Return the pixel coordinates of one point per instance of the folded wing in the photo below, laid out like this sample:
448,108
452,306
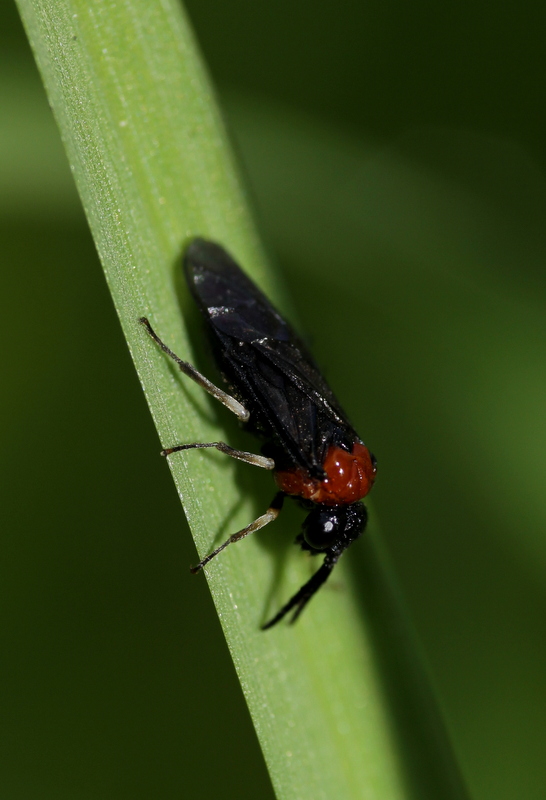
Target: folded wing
266,361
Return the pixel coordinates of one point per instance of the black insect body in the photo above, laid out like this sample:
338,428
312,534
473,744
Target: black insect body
278,392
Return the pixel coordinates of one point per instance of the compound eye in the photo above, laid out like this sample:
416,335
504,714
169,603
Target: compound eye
321,529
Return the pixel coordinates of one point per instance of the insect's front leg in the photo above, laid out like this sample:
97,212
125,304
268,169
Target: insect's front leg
270,515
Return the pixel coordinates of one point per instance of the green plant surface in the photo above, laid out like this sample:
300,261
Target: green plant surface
149,155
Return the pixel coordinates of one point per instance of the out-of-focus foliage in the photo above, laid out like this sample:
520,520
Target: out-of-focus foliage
407,211
432,310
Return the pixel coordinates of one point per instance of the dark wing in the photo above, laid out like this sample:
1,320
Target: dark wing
264,360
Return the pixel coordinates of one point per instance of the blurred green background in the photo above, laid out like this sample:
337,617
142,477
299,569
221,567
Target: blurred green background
395,155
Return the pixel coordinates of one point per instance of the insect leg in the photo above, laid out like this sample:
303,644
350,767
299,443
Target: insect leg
302,597
227,400
241,455
270,515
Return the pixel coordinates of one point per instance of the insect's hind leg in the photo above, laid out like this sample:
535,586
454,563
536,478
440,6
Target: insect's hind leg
241,455
227,400
270,515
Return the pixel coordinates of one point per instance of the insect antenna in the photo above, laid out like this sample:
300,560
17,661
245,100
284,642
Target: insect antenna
302,597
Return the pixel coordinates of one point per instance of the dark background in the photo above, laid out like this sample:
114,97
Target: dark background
396,157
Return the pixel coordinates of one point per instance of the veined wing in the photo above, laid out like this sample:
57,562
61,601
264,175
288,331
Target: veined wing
273,369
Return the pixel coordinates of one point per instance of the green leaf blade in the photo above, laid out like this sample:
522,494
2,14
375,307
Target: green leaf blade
153,167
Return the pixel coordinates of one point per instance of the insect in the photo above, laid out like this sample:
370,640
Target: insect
277,392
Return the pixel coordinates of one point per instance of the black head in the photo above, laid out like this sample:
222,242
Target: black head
333,528
329,530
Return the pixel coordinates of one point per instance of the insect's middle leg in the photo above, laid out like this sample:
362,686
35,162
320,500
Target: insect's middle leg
241,455
270,515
